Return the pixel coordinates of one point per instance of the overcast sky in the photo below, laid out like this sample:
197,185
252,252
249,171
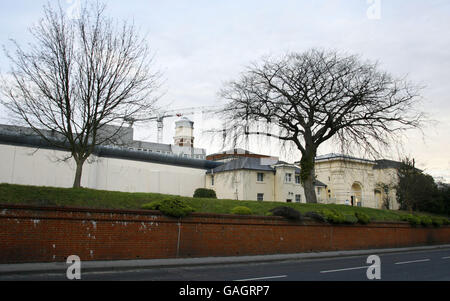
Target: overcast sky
201,44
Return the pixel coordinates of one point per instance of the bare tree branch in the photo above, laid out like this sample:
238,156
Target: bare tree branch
316,96
78,77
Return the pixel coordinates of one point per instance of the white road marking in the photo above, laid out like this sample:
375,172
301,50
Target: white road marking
262,278
346,269
448,257
412,261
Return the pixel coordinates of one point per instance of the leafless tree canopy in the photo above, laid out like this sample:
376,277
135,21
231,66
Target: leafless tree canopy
314,96
78,76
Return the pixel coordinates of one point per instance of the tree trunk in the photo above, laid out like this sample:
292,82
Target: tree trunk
310,191
78,174
308,176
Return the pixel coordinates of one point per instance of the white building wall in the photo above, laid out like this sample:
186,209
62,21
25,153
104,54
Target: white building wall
287,190
39,167
43,167
389,177
243,185
340,176
253,187
227,185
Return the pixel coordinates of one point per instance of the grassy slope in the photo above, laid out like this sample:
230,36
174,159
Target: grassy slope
50,196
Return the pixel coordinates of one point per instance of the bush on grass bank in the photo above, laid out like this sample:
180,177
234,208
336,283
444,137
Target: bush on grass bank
426,221
173,208
315,216
362,218
286,212
205,193
335,217
241,210
437,221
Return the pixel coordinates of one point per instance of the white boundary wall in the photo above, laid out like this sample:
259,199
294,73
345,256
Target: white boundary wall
44,167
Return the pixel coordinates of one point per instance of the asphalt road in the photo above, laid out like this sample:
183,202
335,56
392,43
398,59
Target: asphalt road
425,265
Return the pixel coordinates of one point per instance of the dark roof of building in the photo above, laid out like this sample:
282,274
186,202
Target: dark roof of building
184,122
247,163
234,153
333,156
384,163
110,152
151,145
320,184
243,163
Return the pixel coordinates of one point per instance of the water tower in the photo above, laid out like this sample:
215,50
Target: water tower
184,137
184,132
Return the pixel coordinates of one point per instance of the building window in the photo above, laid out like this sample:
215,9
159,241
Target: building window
298,198
288,178
297,179
212,180
319,190
288,201
260,197
260,177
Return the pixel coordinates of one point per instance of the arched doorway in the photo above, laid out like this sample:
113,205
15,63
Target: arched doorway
356,197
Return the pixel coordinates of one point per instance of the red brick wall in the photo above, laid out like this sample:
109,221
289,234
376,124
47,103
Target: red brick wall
44,234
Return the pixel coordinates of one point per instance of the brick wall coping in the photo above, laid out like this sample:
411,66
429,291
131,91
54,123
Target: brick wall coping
127,215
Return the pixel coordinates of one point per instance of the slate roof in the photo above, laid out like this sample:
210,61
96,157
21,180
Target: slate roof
320,184
341,156
248,163
243,163
383,164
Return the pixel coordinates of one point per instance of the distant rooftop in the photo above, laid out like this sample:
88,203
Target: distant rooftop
261,164
243,163
334,156
234,153
124,139
378,164
37,142
384,163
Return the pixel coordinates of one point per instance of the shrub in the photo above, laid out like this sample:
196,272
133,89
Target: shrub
437,221
241,210
350,219
446,221
333,216
315,216
362,218
286,212
152,206
205,193
426,221
174,207
413,220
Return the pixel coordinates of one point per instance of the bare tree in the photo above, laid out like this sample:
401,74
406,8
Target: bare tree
318,95
77,77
